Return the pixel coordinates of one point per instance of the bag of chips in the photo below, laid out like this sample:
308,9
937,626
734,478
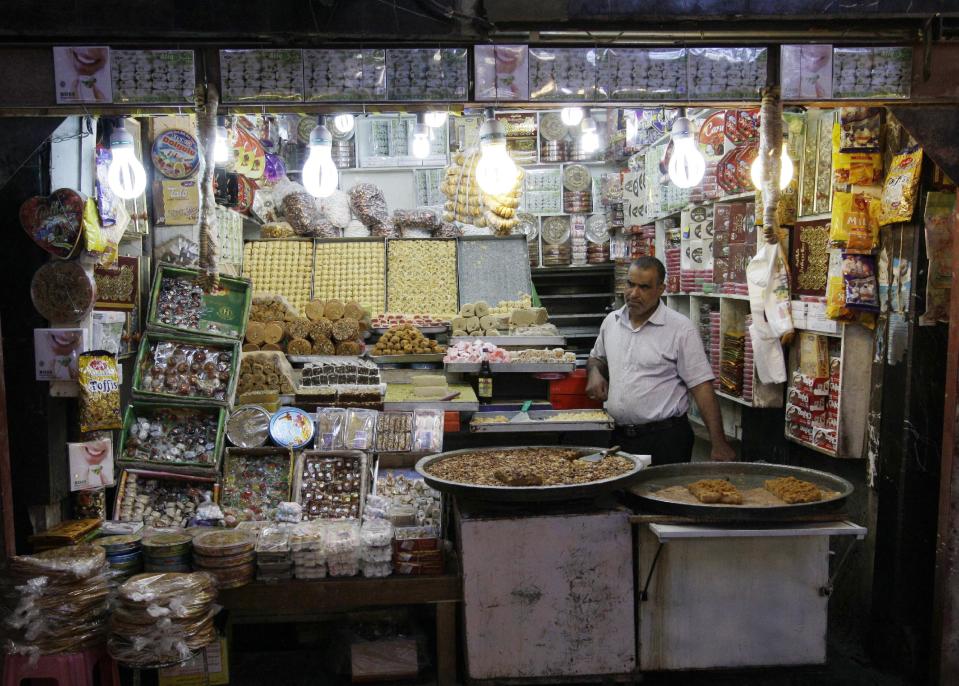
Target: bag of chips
836,290
862,288
99,391
860,129
901,188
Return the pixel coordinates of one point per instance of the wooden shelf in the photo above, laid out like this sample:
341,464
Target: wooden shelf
325,595
735,399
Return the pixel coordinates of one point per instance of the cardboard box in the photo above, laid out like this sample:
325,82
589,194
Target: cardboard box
191,672
384,660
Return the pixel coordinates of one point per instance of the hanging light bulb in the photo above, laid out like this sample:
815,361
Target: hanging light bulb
589,138
435,119
221,148
320,176
571,116
496,172
686,166
344,123
126,176
785,170
421,138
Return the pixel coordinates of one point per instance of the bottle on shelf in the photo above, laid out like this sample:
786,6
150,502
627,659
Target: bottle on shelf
484,384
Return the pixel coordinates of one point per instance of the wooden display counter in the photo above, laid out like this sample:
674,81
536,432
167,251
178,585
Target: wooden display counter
303,601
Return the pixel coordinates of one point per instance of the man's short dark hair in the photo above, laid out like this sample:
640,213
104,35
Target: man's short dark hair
649,262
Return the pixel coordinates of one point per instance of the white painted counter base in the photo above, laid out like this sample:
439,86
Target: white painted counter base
734,597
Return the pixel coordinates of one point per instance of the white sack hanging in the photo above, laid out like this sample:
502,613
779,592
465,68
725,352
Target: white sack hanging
770,307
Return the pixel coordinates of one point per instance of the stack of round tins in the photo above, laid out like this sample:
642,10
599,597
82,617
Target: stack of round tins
124,554
167,553
227,555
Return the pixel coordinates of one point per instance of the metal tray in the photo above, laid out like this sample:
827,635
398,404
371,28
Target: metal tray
425,330
512,341
527,494
744,475
407,359
538,424
512,368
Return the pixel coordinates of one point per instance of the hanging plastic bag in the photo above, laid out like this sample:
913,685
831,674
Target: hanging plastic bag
770,306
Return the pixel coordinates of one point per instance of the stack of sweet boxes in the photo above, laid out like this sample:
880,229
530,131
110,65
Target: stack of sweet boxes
734,244
812,407
697,248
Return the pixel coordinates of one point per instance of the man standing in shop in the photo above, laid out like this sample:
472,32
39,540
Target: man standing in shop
647,361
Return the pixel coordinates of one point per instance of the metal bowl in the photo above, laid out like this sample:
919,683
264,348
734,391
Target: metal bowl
527,494
743,475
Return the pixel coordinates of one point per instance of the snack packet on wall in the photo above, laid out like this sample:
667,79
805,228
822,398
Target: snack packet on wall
901,189
861,286
99,392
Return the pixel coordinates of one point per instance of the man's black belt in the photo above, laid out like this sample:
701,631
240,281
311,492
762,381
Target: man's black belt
633,430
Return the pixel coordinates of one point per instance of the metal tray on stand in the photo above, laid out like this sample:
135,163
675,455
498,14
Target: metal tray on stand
743,475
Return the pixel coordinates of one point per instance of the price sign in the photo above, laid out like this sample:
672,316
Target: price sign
634,197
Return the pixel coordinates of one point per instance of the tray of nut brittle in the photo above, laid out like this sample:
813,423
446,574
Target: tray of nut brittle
529,473
739,490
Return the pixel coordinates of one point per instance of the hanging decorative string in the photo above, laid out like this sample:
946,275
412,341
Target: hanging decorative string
770,146
209,233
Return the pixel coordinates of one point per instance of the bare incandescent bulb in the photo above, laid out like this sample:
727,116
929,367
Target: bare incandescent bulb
344,123
785,170
435,119
221,147
686,166
125,175
421,140
496,172
320,176
571,116
589,138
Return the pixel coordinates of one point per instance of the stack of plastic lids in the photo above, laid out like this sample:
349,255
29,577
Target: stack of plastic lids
55,601
124,554
162,619
376,549
274,561
167,553
228,555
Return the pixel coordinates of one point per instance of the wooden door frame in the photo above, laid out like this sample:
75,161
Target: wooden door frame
6,484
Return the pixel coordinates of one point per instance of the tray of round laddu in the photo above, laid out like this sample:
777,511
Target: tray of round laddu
664,489
527,494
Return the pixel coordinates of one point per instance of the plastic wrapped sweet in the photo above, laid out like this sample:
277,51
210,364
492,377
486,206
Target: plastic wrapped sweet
421,218
360,427
63,292
369,205
55,601
162,619
376,569
330,428
256,483
172,435
265,371
289,512
336,209
376,533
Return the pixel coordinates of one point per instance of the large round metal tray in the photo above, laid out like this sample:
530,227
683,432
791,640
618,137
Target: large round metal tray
527,494
745,476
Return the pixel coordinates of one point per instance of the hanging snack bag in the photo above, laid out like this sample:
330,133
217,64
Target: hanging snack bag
855,219
99,392
862,288
836,289
860,129
901,188
854,168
